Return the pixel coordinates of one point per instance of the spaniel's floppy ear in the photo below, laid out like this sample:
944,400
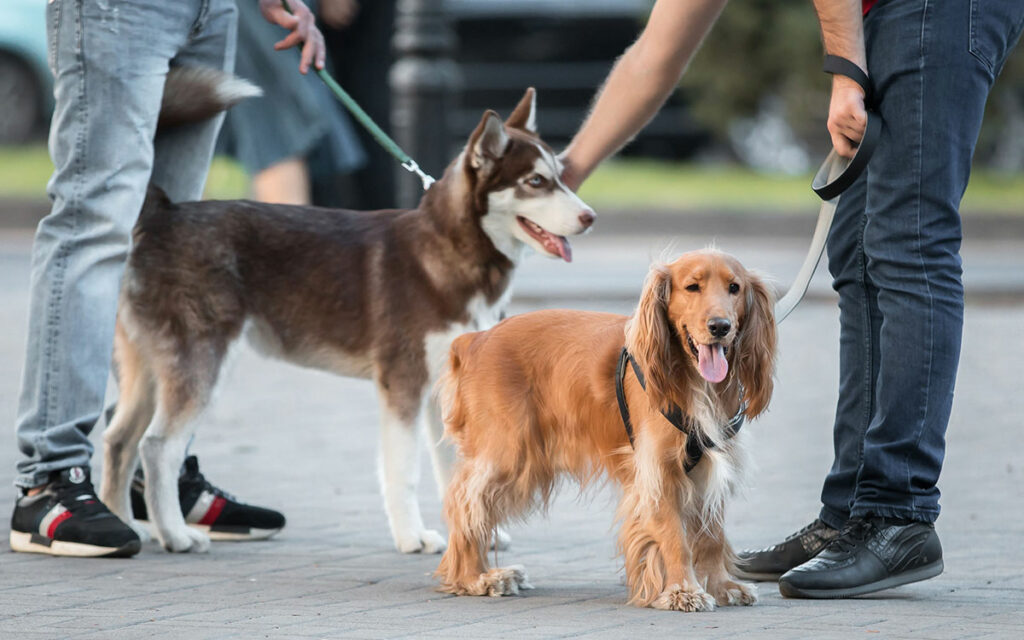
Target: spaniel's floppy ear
755,346
525,114
651,340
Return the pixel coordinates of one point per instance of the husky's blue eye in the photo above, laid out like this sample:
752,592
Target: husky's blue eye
536,180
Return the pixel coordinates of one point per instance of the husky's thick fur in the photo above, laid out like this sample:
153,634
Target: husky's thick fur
377,295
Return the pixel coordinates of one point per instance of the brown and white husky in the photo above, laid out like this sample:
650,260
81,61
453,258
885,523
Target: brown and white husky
378,295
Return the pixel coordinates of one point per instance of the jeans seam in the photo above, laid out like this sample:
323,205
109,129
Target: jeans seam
924,268
56,300
868,389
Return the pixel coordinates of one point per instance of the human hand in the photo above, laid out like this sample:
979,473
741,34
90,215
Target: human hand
847,116
338,13
570,174
302,24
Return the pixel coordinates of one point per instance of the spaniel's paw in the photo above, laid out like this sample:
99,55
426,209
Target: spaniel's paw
731,592
508,581
675,598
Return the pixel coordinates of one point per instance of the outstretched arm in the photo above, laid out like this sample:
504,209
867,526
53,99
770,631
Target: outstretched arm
639,83
842,30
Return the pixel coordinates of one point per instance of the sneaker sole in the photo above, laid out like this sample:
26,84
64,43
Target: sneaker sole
23,542
221,535
917,575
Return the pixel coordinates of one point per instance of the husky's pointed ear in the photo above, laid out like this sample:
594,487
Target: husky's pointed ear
525,114
488,141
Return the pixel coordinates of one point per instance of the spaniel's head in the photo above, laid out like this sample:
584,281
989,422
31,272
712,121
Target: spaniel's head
704,316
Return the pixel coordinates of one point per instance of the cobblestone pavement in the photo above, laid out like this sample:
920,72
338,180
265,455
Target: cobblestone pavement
305,442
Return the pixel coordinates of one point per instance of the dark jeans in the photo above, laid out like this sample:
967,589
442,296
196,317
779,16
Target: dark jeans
894,252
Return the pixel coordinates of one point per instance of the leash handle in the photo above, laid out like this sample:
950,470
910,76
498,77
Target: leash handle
833,178
364,119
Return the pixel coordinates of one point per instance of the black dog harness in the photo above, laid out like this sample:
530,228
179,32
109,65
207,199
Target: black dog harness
696,441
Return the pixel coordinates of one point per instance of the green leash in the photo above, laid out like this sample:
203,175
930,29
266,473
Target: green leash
378,134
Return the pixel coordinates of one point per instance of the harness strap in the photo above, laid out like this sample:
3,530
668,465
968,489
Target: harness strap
696,441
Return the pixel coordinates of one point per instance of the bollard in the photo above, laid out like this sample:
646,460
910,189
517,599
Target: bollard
423,80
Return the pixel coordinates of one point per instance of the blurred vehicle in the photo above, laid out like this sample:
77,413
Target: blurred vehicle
25,81
565,49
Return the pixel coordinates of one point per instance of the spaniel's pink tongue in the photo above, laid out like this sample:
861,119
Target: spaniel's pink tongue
711,362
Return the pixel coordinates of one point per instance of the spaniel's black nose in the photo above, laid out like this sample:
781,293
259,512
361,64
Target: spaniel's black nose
719,327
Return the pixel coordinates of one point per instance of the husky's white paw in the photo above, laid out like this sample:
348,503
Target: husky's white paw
184,540
501,541
425,541
675,598
141,529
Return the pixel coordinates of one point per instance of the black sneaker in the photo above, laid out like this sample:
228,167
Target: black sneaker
67,519
771,562
212,510
869,555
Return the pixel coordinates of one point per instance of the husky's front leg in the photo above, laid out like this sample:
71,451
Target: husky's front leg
163,450
399,478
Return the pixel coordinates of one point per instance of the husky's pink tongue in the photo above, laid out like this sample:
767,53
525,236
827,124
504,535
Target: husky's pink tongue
557,245
711,362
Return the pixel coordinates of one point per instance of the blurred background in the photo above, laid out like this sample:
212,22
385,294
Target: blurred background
727,140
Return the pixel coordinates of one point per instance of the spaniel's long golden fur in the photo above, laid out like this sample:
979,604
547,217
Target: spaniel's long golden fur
534,398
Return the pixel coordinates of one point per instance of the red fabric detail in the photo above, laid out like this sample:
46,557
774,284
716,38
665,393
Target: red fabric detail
214,511
868,4
53,525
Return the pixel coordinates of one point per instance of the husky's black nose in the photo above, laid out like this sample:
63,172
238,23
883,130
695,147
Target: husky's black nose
719,327
587,218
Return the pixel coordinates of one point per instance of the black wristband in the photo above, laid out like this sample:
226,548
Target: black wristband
844,67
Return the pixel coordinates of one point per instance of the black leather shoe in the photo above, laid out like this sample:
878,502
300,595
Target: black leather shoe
869,555
771,562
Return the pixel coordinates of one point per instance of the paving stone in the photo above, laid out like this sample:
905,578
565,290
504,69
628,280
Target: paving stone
305,442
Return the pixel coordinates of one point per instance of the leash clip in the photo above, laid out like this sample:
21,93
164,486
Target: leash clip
411,166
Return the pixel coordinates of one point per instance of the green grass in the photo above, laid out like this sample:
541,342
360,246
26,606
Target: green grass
622,184
643,183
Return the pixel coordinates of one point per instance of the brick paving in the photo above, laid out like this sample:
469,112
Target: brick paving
305,442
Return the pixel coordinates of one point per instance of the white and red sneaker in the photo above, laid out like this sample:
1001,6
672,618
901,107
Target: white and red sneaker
212,510
67,519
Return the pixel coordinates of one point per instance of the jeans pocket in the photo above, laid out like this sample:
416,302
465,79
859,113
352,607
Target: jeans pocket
995,27
53,14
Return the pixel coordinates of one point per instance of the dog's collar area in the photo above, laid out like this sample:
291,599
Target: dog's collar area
696,441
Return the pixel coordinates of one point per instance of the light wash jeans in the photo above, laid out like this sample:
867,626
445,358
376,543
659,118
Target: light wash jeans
109,59
894,252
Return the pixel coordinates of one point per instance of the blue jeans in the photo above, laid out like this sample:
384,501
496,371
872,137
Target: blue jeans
109,59
894,252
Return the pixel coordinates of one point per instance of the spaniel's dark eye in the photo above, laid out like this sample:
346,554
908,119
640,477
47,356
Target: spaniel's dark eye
693,287
536,180
734,288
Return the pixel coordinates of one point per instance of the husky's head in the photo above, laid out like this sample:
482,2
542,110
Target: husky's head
516,185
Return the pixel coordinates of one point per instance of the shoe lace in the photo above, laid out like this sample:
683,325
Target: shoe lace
79,499
817,524
195,477
853,534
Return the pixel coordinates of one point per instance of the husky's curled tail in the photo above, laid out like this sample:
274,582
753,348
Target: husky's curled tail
192,94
